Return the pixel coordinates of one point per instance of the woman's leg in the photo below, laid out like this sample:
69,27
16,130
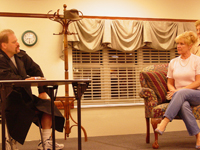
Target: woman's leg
190,122
172,110
198,140
162,126
192,96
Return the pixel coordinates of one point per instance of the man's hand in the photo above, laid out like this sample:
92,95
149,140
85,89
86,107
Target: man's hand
36,78
41,95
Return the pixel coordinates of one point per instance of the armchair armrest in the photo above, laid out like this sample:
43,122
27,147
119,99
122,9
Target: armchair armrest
148,95
150,100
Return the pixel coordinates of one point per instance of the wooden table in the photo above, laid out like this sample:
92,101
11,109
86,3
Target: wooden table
51,86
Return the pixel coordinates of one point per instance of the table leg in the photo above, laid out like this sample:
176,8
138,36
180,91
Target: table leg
3,98
79,89
50,92
79,116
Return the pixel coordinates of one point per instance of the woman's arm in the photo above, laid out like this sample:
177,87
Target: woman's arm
170,84
195,84
171,88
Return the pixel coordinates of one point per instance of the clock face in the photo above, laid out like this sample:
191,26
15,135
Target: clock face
29,38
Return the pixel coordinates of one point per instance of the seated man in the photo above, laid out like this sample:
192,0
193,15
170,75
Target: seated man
21,105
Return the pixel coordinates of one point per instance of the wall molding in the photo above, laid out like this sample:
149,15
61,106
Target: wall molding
32,15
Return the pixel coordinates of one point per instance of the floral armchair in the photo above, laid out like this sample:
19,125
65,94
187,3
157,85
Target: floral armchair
153,82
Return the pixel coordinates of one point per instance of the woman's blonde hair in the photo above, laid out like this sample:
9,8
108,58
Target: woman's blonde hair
189,37
197,23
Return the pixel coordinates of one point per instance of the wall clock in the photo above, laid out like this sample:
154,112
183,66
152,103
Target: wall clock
29,38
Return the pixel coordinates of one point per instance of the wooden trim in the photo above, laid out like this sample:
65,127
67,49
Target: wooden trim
28,15
31,15
135,18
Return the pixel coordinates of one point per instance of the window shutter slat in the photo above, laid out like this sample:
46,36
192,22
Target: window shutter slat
114,74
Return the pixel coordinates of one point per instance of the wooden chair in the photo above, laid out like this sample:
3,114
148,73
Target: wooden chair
153,82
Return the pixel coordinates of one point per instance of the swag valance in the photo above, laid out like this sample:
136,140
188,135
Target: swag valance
126,35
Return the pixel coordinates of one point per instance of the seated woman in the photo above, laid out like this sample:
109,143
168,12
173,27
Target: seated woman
184,86
196,47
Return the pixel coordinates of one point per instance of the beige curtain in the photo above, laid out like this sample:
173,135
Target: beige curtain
161,35
88,34
125,35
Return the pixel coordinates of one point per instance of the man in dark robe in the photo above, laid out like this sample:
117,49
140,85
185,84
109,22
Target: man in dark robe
21,105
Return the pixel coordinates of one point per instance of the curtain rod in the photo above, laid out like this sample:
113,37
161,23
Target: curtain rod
31,15
137,18
28,15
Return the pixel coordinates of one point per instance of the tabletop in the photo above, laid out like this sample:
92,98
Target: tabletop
43,82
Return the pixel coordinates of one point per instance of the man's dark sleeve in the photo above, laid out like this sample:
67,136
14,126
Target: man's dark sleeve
6,73
32,69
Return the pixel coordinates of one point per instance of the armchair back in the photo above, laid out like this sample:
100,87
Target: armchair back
154,77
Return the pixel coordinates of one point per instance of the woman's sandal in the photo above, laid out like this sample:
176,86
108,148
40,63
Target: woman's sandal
197,147
161,132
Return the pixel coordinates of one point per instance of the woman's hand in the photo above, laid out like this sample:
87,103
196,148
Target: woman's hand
170,94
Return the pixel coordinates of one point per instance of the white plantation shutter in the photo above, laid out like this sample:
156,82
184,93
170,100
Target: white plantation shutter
115,74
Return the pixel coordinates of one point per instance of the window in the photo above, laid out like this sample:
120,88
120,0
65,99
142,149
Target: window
115,74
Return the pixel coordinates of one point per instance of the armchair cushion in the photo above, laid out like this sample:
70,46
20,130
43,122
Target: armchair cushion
196,111
159,110
157,81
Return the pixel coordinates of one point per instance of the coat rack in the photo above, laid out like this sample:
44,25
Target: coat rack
68,17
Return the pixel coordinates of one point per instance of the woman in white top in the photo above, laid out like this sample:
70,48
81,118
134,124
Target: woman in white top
184,86
196,46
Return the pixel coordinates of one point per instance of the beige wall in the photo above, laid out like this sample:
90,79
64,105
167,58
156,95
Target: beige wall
177,9
49,47
97,121
110,121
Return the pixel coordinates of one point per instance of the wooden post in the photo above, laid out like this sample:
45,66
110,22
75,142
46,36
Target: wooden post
66,62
